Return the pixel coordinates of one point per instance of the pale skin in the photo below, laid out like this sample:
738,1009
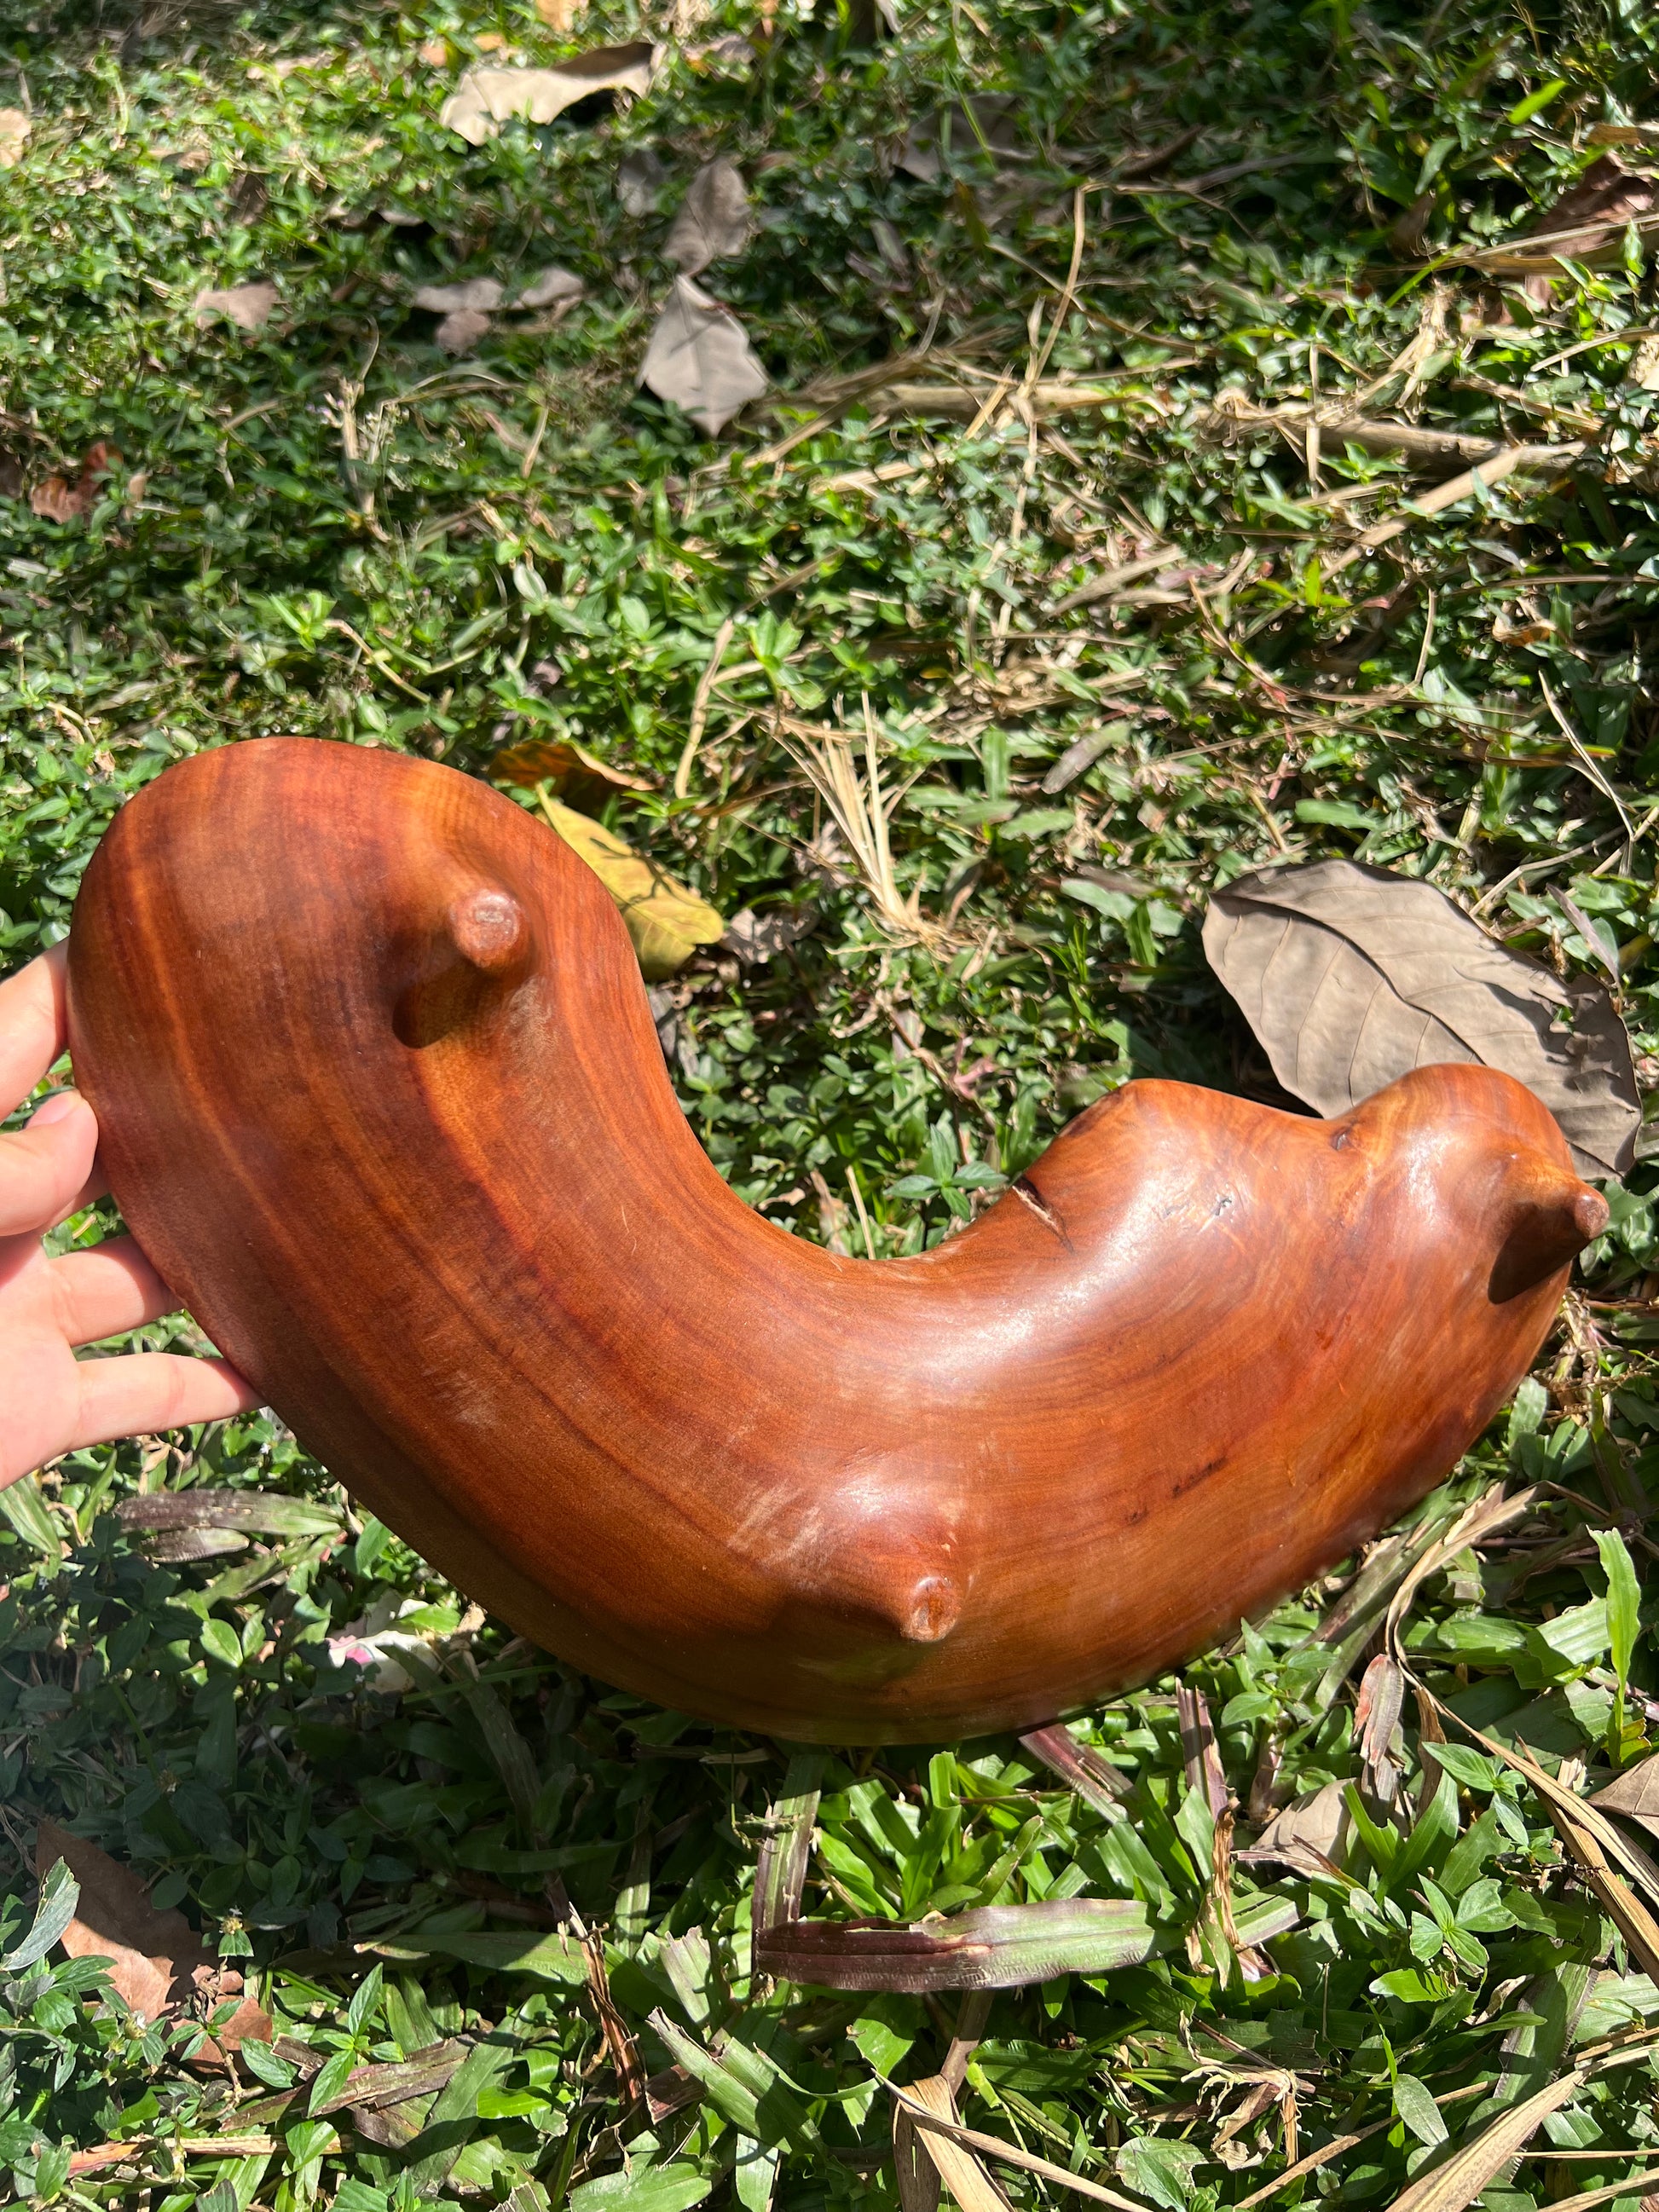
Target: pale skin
50,1403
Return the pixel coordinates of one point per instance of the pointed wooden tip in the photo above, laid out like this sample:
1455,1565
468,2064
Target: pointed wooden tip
1551,1217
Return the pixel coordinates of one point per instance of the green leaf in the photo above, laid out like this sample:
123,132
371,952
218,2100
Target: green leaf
219,1640
60,1894
1159,2170
1575,1639
648,2188
551,1958
1534,102
1432,1832
453,2108
26,1509
1415,2104
1623,1600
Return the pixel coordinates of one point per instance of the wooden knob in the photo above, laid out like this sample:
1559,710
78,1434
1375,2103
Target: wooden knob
489,928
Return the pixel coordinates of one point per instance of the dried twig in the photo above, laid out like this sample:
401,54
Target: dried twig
700,707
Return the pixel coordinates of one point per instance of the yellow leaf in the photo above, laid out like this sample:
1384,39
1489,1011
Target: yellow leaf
667,922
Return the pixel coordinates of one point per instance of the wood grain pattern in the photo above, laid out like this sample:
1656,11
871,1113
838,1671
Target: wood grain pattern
381,1095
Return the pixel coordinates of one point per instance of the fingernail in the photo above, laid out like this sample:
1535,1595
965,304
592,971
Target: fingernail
58,1108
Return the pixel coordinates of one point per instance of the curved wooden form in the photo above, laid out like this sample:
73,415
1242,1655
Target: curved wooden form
381,1097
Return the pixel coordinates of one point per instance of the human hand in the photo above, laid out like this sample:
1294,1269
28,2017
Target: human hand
51,1401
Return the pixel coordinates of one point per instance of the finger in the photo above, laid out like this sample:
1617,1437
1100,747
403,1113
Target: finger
33,1032
140,1392
106,1291
44,1167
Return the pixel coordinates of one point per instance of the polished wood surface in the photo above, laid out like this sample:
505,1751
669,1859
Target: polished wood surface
381,1097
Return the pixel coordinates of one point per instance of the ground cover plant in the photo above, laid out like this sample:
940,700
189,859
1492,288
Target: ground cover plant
955,674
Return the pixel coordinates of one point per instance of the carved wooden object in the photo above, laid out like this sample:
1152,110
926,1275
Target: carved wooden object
381,1097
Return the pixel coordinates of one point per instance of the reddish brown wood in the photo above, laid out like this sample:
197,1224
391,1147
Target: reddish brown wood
381,1095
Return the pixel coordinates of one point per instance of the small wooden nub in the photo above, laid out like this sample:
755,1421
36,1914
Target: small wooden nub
934,1605
490,929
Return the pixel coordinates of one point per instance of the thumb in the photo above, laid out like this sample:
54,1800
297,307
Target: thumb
44,1167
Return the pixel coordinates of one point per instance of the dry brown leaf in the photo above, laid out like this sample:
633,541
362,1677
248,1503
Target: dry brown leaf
932,2126
158,1962
561,16
667,922
477,293
713,220
700,358
1350,977
434,53
1317,1824
958,2169
549,286
577,777
15,128
1634,1794
248,306
1587,223
915,2172
61,500
487,98
460,332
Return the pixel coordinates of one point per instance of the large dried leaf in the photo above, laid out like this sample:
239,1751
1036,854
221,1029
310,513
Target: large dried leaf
1587,223
480,292
248,306
1001,1946
551,286
15,128
1310,1835
486,98
667,922
1352,977
158,1963
700,358
460,332
576,776
714,219
64,498
1635,1793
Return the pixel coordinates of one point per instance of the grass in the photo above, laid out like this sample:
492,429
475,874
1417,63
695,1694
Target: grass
329,527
